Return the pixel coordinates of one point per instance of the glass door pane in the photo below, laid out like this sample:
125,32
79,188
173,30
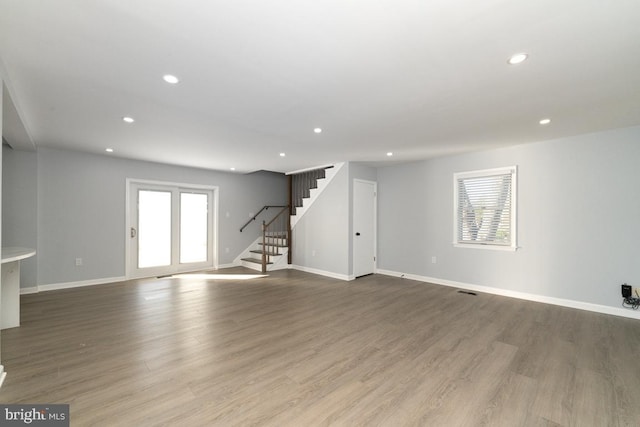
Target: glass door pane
193,227
154,228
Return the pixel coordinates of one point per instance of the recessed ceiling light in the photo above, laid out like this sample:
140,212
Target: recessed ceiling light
109,150
232,169
389,154
170,79
282,154
128,119
518,58
545,121
317,130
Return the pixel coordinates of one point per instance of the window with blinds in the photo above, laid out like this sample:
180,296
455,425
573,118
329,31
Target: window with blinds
485,208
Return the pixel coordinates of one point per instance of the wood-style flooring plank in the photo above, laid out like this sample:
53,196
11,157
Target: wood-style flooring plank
296,349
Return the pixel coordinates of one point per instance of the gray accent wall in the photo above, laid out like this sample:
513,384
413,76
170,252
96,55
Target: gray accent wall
578,219
81,210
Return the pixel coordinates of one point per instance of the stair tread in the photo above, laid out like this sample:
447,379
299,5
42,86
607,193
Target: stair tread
257,251
255,261
275,245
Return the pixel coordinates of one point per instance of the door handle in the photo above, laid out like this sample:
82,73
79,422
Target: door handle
357,234
134,233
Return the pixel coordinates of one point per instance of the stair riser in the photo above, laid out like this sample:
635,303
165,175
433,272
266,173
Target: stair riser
259,253
321,183
274,244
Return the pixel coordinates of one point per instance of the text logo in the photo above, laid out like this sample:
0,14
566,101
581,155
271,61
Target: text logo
34,415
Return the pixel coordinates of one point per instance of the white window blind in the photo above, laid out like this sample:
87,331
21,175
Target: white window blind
485,209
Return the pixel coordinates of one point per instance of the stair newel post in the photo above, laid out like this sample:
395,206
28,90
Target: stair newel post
264,247
288,228
288,222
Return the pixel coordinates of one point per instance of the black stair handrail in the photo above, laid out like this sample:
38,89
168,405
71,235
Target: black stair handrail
264,208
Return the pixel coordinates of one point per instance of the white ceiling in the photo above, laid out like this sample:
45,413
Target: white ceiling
420,78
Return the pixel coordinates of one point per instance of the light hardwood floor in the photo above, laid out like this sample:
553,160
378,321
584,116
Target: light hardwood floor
295,349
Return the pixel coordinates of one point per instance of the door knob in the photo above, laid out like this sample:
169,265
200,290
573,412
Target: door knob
133,232
357,234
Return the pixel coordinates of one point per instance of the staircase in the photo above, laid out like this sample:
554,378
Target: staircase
311,190
276,250
270,251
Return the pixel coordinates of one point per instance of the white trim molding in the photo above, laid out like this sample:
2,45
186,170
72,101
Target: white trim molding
596,308
3,375
233,264
70,285
310,169
345,277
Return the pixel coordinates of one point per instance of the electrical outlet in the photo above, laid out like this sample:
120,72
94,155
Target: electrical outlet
78,262
434,260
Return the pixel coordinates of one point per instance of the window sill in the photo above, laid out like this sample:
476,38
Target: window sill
486,247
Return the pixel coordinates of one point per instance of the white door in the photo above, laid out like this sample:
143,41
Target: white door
170,229
364,227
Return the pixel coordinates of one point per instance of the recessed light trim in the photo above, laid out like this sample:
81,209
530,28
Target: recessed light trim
545,121
283,154
170,78
518,58
128,119
109,150
317,130
232,169
389,154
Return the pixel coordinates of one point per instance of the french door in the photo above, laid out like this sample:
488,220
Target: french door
170,228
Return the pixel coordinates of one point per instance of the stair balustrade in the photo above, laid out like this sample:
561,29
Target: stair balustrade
302,183
276,234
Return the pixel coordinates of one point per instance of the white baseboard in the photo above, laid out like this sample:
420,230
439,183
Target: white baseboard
68,285
93,282
323,273
597,308
29,290
231,265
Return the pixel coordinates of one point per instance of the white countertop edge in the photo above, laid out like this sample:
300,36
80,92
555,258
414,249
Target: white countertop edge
11,254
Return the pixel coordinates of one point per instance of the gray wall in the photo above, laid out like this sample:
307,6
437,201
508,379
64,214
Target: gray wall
578,219
1,152
81,210
323,237
19,207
